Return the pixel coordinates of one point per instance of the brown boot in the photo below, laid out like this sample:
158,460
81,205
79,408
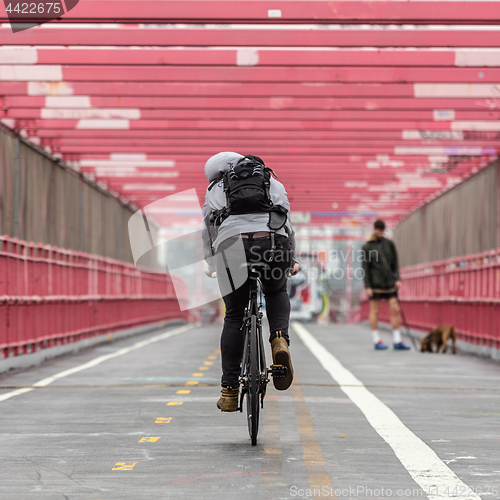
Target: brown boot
229,399
281,356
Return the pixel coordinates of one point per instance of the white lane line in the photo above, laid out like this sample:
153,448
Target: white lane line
90,364
436,479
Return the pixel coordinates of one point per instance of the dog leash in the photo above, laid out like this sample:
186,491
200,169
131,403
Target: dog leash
406,325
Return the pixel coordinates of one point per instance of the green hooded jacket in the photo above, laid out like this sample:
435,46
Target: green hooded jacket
380,263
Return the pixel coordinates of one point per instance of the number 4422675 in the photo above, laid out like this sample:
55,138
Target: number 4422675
34,8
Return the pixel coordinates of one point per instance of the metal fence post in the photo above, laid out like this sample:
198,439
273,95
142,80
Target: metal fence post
16,188
80,216
2,209
498,204
119,229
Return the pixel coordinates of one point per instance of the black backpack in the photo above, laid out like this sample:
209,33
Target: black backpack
247,188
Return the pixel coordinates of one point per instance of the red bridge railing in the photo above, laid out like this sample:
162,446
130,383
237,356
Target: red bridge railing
50,296
462,291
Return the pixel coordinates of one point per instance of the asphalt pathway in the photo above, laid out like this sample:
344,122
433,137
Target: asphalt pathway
136,419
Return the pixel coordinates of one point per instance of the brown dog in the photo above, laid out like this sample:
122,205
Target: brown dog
439,338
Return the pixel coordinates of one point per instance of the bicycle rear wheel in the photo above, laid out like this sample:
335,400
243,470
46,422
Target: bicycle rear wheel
253,383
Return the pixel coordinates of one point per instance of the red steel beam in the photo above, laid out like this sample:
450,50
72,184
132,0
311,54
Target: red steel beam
230,125
326,199
205,56
258,135
262,37
318,151
248,114
326,203
278,159
245,103
329,201
321,192
370,177
344,183
224,74
187,89
345,170
259,11
273,11
338,196
249,144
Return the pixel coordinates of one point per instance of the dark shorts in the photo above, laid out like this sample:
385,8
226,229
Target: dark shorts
383,295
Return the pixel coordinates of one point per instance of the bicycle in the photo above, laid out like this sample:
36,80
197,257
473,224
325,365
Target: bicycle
254,373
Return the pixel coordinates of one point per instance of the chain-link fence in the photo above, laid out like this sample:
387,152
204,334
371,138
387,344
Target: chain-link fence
43,201
462,221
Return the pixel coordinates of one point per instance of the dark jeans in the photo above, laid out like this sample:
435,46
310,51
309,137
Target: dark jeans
277,302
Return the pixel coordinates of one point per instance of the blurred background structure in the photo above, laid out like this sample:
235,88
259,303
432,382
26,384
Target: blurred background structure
365,110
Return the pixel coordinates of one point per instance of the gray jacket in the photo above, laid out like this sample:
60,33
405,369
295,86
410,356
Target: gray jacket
215,199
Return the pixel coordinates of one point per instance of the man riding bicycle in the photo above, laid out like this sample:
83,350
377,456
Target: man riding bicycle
244,201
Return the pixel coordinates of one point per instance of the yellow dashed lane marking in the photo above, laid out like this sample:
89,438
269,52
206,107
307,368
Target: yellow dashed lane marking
272,481
161,420
183,391
124,466
203,368
148,440
311,450
212,357
197,375
192,382
208,363
174,403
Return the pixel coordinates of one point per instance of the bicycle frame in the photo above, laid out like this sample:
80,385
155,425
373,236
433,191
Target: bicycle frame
253,309
253,375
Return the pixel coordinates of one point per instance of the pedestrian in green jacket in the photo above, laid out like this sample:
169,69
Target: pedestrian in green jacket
382,281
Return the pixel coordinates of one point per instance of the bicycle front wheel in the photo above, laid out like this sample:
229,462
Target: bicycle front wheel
253,383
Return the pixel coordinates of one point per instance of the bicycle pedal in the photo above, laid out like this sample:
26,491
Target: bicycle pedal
278,370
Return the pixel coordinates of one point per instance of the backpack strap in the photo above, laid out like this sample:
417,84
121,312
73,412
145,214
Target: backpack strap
253,158
209,226
278,216
225,178
267,185
217,217
271,171
214,182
